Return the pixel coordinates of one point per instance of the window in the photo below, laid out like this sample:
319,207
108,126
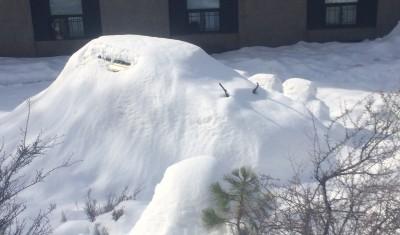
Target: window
65,19
66,7
341,12
203,15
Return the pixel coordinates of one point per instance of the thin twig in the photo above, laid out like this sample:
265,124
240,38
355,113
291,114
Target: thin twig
225,91
255,89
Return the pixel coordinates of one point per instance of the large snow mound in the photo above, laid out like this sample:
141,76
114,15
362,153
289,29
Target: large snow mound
164,106
194,177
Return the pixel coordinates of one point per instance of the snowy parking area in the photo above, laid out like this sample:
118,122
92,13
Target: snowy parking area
163,121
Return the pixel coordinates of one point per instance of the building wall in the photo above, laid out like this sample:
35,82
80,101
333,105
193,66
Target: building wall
272,22
262,22
388,16
16,33
213,42
387,19
147,17
341,35
258,21
51,48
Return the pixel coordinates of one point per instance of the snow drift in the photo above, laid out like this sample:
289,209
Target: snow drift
194,177
356,66
164,106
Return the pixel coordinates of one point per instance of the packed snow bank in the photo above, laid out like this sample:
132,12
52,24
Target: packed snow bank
305,91
299,89
267,81
29,70
194,177
164,106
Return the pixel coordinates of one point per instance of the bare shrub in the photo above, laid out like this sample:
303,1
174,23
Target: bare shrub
99,230
63,217
104,231
225,90
13,182
356,187
256,88
116,214
93,209
114,200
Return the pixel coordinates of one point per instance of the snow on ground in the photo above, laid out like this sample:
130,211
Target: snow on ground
80,225
128,127
29,70
342,72
163,122
21,78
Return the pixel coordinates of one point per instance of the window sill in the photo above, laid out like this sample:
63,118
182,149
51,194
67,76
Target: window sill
65,40
333,27
203,33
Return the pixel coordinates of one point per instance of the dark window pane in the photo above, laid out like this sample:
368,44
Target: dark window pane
341,1
66,7
195,21
202,4
204,21
349,14
75,25
211,21
68,27
60,28
333,15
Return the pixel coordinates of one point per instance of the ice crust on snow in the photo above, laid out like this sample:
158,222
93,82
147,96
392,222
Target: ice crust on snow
129,127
